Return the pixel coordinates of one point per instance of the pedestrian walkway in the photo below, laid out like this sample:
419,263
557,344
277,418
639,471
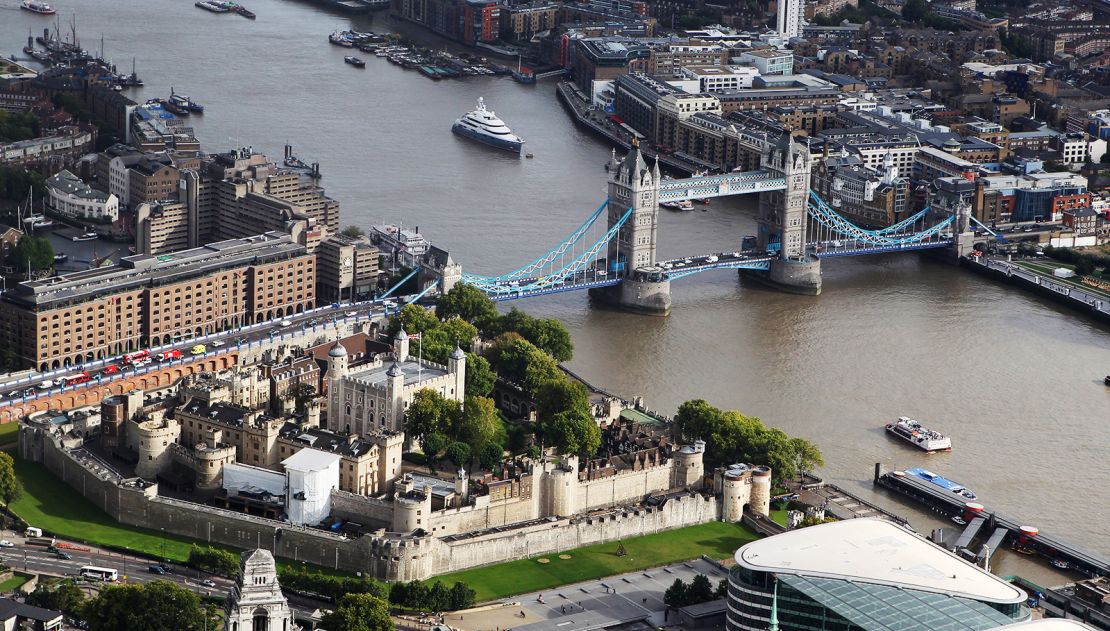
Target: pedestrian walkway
590,605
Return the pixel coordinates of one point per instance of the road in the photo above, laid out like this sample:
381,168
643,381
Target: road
103,372
132,569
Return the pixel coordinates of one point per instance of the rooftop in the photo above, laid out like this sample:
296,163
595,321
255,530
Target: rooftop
70,184
414,373
878,552
310,460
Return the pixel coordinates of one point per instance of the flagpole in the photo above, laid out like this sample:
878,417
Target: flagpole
420,358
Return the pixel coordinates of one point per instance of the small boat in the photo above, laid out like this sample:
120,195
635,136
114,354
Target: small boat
339,38
918,435
959,520
355,61
685,205
61,257
1058,564
34,6
42,223
211,6
87,235
1106,380
245,12
669,205
184,103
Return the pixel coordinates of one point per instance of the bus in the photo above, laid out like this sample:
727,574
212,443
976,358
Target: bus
105,574
80,377
131,358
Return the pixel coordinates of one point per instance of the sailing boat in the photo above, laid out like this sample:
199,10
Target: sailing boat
35,221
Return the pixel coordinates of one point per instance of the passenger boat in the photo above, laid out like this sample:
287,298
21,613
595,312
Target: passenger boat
669,205
918,435
339,38
183,102
34,6
355,61
211,6
946,484
483,126
87,235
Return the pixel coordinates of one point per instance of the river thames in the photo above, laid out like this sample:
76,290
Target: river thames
1015,380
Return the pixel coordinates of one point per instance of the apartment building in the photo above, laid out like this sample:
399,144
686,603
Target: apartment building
148,300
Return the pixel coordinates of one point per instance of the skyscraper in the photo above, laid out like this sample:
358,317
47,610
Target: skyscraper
789,18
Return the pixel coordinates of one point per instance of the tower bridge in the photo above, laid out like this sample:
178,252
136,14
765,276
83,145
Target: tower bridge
617,263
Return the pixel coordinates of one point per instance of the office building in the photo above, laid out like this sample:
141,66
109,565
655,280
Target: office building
73,198
148,300
862,575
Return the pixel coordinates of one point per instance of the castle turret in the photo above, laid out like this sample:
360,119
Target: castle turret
462,485
154,439
563,487
401,345
456,365
736,486
761,491
689,467
411,508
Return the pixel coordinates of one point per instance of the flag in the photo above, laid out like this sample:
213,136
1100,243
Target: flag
414,336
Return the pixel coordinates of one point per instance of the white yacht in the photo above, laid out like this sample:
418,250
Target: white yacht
918,435
484,126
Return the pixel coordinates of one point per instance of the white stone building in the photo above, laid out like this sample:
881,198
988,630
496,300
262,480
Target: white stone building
373,397
256,602
71,197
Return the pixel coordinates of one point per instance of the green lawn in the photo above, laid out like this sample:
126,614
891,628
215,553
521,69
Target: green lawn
50,504
779,516
715,539
12,583
8,434
1047,269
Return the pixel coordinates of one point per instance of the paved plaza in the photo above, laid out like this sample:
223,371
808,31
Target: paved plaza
590,605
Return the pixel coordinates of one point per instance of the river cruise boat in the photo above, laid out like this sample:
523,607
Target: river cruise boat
34,6
918,435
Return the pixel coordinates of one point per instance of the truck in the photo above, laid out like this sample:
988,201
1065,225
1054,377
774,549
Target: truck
32,532
168,355
1063,272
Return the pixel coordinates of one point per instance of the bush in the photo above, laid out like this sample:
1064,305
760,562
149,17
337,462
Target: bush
416,595
330,587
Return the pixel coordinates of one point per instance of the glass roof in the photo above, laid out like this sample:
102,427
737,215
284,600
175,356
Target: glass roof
881,607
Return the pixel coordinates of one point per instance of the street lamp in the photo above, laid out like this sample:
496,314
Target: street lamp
163,544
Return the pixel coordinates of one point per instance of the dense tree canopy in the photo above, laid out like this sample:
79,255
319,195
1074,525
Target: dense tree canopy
11,488
572,432
480,377
732,437
36,250
155,606
358,612
469,303
430,413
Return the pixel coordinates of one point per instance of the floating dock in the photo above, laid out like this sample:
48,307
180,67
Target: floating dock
1026,539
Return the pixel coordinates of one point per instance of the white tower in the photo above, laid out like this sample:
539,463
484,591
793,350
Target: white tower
256,602
337,371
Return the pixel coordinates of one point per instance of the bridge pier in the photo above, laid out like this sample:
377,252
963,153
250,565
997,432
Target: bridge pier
795,276
647,291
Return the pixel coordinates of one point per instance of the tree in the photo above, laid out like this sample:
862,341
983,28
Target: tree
515,321
34,250
722,589
462,596
428,413
813,520
480,377
433,445
700,590
64,596
490,455
11,488
559,395
807,456
358,612
539,368
914,10
459,453
353,232
550,336
414,318
479,423
459,332
155,606
573,432
675,596
300,394
469,303
214,560
1084,267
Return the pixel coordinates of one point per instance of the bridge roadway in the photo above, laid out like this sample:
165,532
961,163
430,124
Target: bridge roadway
735,183
103,372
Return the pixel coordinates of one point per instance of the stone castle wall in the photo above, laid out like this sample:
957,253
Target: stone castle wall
388,556
624,487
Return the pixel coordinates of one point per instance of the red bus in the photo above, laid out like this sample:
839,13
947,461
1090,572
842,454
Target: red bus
131,358
73,380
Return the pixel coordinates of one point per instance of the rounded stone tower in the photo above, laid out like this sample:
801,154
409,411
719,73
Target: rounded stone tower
760,501
689,468
563,486
154,439
735,493
210,461
411,509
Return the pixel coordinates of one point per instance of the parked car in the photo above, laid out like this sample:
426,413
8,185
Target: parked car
218,343
286,323
208,582
4,543
156,569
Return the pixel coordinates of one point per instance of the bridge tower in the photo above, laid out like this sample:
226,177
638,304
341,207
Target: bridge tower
631,254
783,218
963,237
